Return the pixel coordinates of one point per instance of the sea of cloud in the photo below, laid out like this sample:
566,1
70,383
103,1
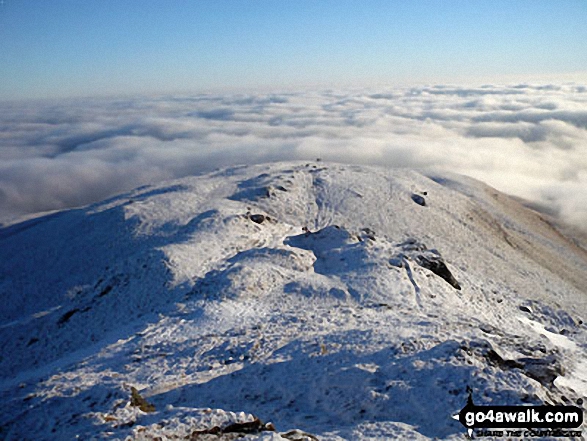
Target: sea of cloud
526,140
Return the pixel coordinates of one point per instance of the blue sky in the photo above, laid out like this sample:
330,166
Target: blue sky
55,48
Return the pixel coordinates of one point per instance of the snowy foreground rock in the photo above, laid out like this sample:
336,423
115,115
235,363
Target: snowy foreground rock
289,301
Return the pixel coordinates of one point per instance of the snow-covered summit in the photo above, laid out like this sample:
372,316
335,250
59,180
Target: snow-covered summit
340,301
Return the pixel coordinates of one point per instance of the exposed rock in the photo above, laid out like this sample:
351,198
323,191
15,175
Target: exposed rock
497,360
298,435
137,400
65,317
198,434
247,427
545,370
412,244
430,259
436,264
240,429
419,199
368,233
257,218
105,291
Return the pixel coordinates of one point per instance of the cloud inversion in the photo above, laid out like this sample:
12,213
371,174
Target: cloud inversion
530,141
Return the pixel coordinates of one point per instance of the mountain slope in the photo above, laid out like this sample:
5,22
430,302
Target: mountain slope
345,301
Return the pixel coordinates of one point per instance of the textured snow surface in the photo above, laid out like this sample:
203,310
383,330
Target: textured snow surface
332,301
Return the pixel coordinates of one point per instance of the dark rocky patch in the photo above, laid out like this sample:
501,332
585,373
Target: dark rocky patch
497,360
248,427
65,317
419,199
137,400
239,429
369,233
198,434
544,369
298,435
436,264
488,329
105,291
429,259
257,218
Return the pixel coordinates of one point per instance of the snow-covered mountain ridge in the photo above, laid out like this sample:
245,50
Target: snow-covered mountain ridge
348,302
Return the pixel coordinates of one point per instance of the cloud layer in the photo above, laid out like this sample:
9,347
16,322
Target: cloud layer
530,141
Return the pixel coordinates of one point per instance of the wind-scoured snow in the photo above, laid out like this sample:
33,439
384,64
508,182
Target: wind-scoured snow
288,300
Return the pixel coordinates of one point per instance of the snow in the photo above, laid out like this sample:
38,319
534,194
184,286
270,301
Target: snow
556,339
330,318
576,380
